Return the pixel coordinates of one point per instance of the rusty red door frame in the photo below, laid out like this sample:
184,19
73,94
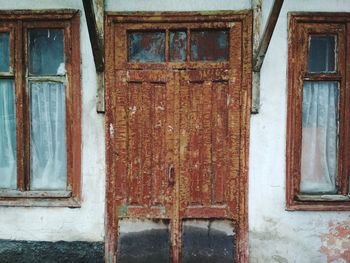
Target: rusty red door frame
113,59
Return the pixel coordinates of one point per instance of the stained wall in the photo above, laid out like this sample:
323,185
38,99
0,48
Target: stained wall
276,235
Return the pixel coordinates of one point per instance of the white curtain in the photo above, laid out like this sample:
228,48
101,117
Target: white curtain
319,137
8,171
48,136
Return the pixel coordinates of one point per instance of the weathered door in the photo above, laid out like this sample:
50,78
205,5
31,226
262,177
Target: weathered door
177,108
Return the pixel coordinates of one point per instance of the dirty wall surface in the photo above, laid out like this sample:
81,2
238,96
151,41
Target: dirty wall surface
276,235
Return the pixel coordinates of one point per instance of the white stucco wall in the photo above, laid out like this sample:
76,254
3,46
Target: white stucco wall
275,234
85,223
171,5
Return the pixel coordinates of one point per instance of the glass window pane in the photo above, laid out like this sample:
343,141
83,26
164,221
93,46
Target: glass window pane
319,137
178,44
48,136
209,45
321,57
46,52
146,46
8,171
4,52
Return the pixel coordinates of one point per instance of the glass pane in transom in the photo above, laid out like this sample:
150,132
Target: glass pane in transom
146,46
209,45
178,45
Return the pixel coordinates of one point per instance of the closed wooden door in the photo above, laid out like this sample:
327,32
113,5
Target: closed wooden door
176,131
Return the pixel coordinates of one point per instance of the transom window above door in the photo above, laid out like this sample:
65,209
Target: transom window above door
178,45
182,45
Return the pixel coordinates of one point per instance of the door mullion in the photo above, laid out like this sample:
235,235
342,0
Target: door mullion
176,220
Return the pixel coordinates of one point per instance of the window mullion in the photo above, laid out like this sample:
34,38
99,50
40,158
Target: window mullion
345,187
21,125
322,77
59,79
343,155
26,109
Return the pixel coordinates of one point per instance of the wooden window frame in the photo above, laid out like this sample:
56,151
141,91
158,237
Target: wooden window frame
18,23
301,25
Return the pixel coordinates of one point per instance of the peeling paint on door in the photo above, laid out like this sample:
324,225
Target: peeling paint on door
180,132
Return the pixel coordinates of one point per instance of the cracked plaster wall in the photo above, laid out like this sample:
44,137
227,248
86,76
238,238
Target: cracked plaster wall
277,235
85,223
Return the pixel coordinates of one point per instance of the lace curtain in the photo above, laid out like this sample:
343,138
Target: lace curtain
48,139
8,171
319,137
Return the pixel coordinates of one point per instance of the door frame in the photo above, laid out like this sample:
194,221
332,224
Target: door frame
243,17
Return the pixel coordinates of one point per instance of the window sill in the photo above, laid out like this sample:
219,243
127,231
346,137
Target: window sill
323,198
319,203
35,194
39,199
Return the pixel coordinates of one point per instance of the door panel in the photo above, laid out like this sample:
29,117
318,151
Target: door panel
208,241
209,132
137,243
144,131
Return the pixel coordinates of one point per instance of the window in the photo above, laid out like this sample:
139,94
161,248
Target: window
174,45
318,129
40,109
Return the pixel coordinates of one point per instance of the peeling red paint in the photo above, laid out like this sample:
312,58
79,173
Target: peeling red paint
336,243
179,144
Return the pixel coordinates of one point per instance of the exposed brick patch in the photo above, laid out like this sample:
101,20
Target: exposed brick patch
336,243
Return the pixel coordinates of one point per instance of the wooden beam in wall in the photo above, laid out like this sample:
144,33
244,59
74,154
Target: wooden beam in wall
266,37
95,37
260,47
95,21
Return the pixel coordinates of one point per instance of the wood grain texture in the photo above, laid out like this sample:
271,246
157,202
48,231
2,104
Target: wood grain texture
177,133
